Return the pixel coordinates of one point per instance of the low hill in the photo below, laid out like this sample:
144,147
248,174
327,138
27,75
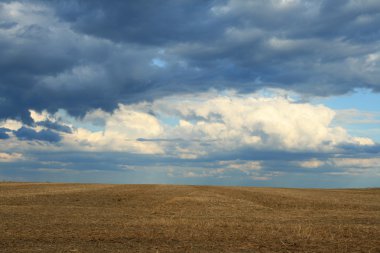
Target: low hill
48,217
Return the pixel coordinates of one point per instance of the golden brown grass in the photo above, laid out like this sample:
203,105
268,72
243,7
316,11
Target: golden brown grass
169,218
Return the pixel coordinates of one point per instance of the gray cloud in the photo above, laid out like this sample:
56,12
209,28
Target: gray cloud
80,55
55,126
25,133
4,133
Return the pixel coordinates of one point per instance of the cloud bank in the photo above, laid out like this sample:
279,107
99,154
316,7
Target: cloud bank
218,135
214,91
81,55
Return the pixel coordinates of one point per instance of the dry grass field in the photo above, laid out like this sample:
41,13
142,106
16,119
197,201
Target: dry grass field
168,218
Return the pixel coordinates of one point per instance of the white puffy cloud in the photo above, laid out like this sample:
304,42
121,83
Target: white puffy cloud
121,130
39,116
193,126
363,141
11,124
274,123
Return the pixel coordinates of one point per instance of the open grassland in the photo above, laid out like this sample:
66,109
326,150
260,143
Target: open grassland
170,218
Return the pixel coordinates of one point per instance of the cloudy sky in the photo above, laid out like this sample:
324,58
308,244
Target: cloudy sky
225,92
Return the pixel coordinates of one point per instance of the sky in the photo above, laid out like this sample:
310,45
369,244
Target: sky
279,93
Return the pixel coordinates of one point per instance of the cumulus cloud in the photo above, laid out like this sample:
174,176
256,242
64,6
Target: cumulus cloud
233,121
120,132
191,127
11,124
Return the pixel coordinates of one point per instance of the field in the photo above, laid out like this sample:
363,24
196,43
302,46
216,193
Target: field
168,218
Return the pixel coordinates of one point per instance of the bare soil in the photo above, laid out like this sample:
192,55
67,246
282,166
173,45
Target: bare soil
48,217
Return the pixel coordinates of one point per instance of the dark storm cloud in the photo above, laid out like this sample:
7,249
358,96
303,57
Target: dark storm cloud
4,133
143,22
55,126
25,133
80,54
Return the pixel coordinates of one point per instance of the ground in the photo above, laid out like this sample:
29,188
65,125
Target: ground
49,217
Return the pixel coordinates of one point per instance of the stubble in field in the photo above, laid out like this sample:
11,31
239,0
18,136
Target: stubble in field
163,218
